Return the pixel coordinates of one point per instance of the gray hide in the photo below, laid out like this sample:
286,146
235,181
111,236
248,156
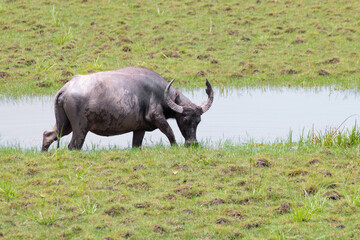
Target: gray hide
130,99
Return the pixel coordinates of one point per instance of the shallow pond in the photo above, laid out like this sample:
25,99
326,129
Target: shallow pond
239,115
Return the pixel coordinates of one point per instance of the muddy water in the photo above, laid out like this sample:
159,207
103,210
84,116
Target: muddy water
239,115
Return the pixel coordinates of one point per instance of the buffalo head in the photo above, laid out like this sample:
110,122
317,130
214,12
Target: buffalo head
188,114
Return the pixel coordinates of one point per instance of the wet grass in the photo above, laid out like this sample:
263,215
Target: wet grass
248,43
250,191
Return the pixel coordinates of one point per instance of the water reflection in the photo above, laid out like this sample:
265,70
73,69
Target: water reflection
261,115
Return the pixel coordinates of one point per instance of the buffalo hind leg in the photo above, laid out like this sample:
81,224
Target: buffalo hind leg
52,135
48,138
77,139
138,137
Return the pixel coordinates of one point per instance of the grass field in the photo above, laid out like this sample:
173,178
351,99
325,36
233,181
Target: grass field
283,190
238,43
253,191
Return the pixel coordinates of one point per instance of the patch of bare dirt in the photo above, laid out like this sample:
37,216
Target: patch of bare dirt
262,162
313,162
158,39
234,32
126,234
159,229
333,195
170,55
114,211
298,173
323,72
15,46
188,211
43,84
328,174
32,171
202,73
142,205
237,169
170,197
4,75
67,73
331,61
298,40
284,208
126,49
238,214
253,225
245,39
310,191
216,201
223,221
188,192
289,71
236,75
138,167
201,57
140,185
102,227
243,201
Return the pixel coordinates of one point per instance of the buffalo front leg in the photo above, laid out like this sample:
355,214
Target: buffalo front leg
138,137
157,119
164,127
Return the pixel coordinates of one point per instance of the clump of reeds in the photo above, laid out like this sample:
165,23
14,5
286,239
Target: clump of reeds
331,137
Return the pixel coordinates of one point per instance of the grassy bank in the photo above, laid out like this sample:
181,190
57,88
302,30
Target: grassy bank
247,43
252,191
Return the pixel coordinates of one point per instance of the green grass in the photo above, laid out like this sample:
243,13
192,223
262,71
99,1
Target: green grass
279,43
182,193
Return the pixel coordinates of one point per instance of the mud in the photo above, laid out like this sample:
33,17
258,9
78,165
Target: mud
284,208
223,221
296,173
263,163
333,195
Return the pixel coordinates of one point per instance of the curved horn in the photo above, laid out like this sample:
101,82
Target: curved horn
170,102
206,105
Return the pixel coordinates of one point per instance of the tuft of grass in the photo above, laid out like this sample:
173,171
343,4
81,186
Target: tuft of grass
87,206
42,66
62,39
353,199
45,219
311,205
55,17
337,137
96,64
255,181
8,190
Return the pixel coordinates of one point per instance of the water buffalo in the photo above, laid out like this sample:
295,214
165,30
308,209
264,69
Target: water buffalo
130,99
